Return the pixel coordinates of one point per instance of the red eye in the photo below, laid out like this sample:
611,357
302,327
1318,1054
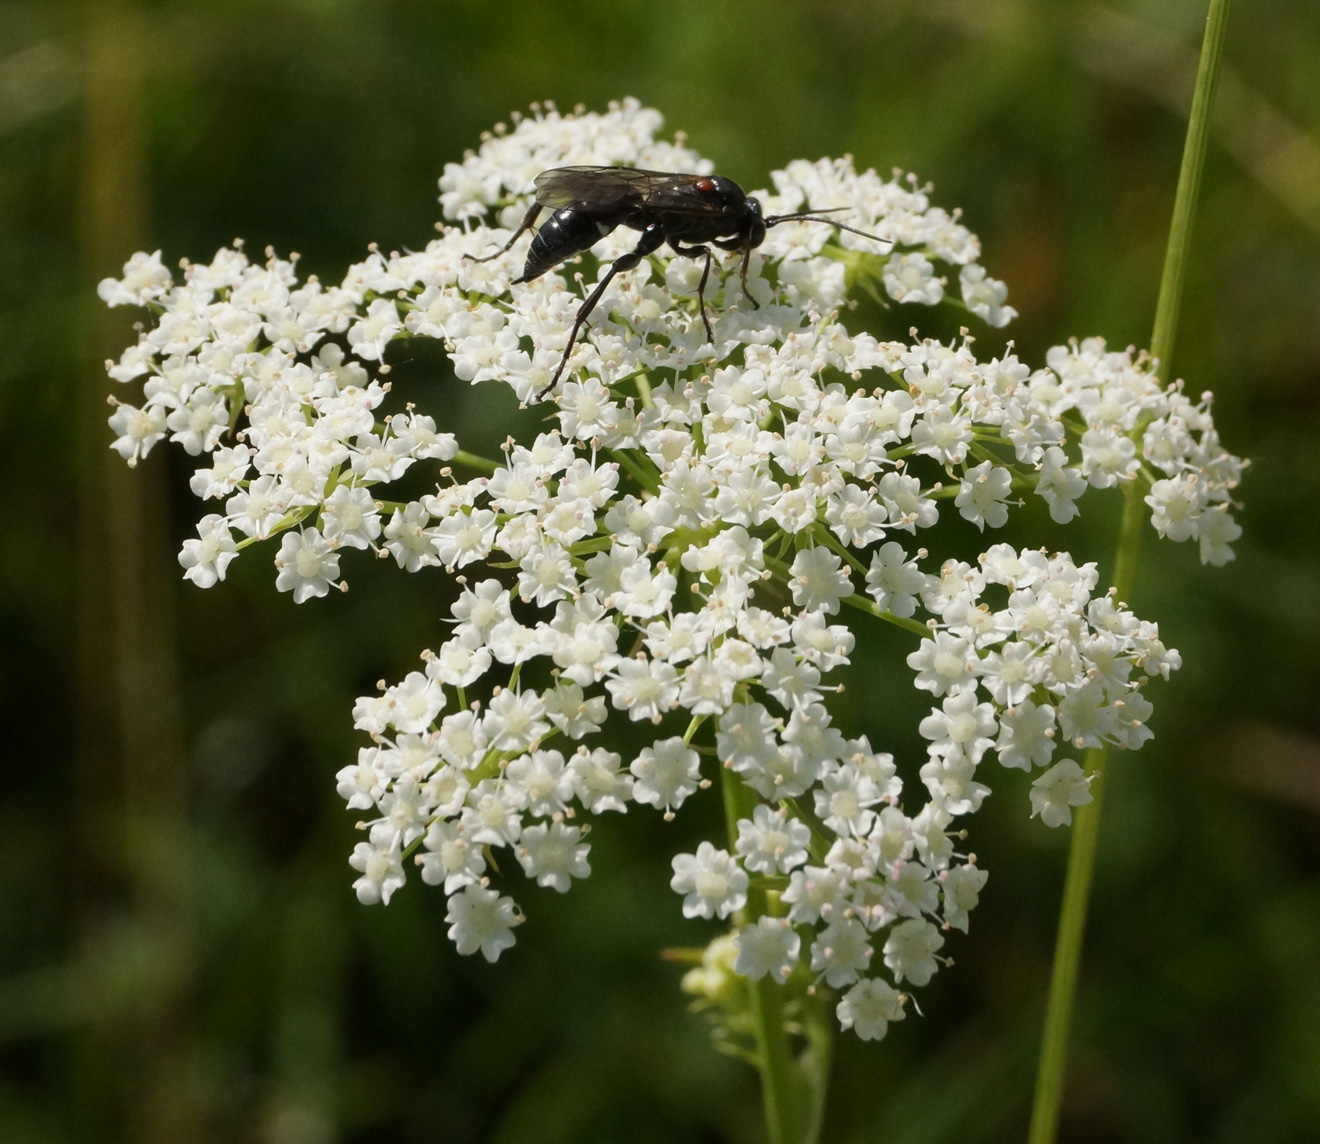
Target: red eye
705,186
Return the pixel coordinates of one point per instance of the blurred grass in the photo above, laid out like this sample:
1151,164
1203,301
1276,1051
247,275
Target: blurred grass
214,979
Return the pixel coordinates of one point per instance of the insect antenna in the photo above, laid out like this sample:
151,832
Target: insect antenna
806,214
814,216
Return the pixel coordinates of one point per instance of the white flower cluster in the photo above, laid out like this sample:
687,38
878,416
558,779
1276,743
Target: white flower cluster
678,546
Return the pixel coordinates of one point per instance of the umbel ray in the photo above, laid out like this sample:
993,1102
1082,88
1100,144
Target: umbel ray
691,213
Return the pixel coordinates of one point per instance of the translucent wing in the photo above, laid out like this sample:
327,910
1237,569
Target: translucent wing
602,188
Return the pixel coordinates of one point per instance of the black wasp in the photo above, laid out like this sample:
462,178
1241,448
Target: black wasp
686,211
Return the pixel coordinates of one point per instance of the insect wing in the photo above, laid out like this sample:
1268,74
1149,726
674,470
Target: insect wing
598,187
604,187
691,195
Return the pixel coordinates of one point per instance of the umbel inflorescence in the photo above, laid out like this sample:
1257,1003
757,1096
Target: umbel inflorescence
689,544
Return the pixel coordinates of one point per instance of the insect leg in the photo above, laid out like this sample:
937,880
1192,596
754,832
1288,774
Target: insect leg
701,298
652,238
692,252
747,258
741,245
529,220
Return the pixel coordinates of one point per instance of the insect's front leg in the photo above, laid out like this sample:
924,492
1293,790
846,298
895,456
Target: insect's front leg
693,252
746,260
652,238
740,244
529,220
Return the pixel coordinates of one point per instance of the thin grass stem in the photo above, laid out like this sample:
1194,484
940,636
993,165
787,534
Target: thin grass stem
1086,829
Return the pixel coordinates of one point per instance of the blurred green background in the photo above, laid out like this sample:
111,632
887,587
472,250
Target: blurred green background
181,957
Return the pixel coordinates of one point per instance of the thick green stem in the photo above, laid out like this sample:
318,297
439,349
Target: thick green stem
1067,957
775,1060
774,1057
1086,828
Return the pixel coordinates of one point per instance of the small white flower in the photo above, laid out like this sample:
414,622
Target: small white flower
981,495
943,434
819,580
712,883
1026,735
911,278
544,780
461,661
409,540
414,703
569,709
552,853
362,784
644,688
307,565
137,430
1108,457
378,862
352,518
815,892
1216,529
205,559
480,919
770,842
1059,484
666,773
910,951
961,887
985,296
770,946
464,537
844,801
369,337
492,816
945,665
868,1008
841,952
598,782
894,581
1057,791
962,726
450,859
145,277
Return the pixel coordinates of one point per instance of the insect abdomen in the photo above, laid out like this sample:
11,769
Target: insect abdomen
567,232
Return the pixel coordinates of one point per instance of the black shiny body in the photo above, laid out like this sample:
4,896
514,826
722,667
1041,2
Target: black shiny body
691,213
567,232
682,210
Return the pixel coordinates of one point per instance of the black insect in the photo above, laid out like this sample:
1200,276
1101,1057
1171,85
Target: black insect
686,211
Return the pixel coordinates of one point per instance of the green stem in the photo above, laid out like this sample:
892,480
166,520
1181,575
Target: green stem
871,608
818,1026
473,461
1169,305
1129,539
858,601
644,475
1086,829
774,1057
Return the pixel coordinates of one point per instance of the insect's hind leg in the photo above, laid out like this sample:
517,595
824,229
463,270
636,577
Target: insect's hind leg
529,220
651,239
